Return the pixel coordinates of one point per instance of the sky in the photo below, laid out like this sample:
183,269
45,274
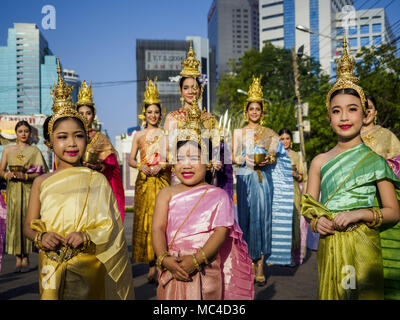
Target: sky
97,39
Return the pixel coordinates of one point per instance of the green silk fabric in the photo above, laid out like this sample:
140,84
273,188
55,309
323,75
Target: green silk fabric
350,263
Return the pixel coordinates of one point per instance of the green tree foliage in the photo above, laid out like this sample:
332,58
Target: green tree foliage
275,66
378,69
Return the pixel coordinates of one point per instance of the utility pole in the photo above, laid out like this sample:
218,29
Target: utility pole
299,108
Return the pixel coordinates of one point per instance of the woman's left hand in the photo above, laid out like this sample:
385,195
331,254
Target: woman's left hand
343,219
217,165
18,175
155,169
74,239
186,263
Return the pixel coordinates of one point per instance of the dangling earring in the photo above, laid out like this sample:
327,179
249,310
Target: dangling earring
291,145
375,119
209,165
262,122
182,101
246,117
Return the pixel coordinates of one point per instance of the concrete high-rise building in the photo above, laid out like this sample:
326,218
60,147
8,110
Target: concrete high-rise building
162,59
72,78
278,21
371,28
233,28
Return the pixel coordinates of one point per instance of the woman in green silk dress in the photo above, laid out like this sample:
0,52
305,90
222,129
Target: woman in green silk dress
25,163
352,180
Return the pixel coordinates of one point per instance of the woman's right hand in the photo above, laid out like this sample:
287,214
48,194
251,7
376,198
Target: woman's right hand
325,226
51,240
146,170
173,266
9,175
249,161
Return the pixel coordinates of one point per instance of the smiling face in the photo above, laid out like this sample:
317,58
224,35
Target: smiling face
88,113
23,133
346,115
286,140
254,112
188,168
152,115
187,91
69,142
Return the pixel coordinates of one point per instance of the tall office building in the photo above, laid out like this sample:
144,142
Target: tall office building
233,28
371,28
72,78
27,71
278,21
162,59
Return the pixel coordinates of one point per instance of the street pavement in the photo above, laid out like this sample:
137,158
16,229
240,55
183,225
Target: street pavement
283,283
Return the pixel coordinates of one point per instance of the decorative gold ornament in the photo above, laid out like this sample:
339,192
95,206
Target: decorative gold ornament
255,94
345,77
62,105
85,96
151,96
190,64
375,119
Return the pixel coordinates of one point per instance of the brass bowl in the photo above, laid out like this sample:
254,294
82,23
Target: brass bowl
16,168
90,157
258,158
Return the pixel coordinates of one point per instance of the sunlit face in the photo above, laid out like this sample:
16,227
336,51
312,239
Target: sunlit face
188,168
87,112
152,115
69,142
346,115
187,91
254,112
23,133
371,112
286,140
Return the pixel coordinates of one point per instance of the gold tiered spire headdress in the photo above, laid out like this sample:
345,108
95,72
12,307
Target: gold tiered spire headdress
62,103
151,96
85,96
345,77
190,64
255,94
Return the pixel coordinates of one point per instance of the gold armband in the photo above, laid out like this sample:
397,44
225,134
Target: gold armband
26,177
204,255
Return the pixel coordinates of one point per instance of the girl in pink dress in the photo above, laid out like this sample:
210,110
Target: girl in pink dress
199,245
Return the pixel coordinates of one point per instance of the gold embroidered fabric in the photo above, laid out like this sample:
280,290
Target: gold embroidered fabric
103,147
382,141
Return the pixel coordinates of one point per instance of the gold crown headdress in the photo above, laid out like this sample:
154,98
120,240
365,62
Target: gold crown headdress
345,77
62,104
151,96
85,96
255,94
190,64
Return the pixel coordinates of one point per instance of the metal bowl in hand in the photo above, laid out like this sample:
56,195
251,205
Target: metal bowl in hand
16,168
258,158
90,157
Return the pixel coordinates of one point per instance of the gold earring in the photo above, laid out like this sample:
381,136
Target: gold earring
291,145
246,117
375,119
182,101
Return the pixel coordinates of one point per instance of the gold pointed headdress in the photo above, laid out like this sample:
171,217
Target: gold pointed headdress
190,64
255,93
62,103
345,77
151,96
85,96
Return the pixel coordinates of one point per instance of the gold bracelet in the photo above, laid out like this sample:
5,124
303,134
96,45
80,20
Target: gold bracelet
26,177
38,241
380,217
102,167
86,241
5,175
196,263
374,221
163,166
138,166
160,260
204,255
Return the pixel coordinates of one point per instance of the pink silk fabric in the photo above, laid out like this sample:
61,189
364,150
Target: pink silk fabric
229,275
394,163
113,175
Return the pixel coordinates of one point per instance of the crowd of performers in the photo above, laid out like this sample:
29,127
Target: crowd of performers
212,210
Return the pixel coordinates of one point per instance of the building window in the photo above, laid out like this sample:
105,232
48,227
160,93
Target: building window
352,31
364,29
376,17
273,16
364,41
376,28
339,31
353,42
272,4
377,40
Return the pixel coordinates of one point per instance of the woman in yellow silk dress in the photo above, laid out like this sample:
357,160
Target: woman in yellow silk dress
357,196
25,162
73,217
152,177
300,224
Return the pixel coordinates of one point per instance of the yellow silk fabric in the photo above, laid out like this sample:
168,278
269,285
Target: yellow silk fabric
347,256
382,141
103,147
79,199
146,190
18,197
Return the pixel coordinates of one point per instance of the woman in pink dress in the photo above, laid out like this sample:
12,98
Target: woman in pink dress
199,246
100,147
